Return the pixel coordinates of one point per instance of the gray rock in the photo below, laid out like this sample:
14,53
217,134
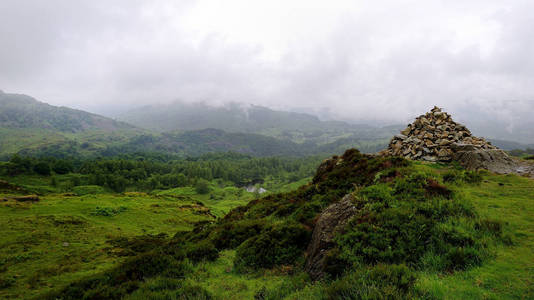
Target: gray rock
430,158
462,147
496,161
331,221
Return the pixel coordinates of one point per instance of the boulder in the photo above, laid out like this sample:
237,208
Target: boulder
331,221
494,160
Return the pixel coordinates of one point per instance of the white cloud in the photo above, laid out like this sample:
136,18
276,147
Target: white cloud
363,60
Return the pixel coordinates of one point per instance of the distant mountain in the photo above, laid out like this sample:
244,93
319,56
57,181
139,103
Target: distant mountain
21,111
33,126
296,127
509,145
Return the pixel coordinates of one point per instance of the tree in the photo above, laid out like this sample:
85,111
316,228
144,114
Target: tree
202,187
42,168
62,167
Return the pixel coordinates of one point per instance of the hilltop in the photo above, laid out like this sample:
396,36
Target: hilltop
19,111
32,126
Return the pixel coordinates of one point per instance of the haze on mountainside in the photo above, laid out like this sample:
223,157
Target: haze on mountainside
380,62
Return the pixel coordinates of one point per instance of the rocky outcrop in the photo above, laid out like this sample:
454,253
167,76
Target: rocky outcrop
434,136
331,221
431,137
494,160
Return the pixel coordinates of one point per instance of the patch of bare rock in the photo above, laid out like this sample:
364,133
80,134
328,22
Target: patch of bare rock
331,221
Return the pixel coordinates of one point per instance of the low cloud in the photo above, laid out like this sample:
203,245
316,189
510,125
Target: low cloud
380,61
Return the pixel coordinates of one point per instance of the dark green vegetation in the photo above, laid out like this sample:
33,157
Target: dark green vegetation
153,172
426,231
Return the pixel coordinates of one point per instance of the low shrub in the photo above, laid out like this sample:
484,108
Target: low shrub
459,258
229,235
204,250
108,211
123,279
279,245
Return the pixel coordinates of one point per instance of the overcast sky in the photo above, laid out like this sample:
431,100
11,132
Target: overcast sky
355,60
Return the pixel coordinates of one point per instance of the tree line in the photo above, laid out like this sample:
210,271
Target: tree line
148,172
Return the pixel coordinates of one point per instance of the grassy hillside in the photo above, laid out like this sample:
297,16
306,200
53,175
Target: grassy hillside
21,111
428,231
66,236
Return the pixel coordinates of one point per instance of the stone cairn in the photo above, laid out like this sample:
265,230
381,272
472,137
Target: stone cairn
434,136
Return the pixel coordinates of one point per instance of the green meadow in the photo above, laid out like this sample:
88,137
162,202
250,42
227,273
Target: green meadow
68,236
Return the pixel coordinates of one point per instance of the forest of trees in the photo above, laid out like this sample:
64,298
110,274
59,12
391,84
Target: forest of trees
149,172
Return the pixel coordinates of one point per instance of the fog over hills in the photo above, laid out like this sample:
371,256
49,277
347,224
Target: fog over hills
236,117
364,62
31,127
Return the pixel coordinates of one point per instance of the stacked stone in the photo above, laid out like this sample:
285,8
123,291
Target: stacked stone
434,136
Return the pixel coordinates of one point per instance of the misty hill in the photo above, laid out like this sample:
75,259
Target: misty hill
21,111
30,125
297,127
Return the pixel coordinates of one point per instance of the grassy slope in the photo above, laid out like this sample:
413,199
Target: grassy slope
32,250
510,275
60,239
34,258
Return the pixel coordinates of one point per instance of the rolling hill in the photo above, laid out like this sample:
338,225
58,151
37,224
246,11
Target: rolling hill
33,126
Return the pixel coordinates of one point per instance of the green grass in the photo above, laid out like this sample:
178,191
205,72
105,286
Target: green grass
220,279
510,275
47,244
63,238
